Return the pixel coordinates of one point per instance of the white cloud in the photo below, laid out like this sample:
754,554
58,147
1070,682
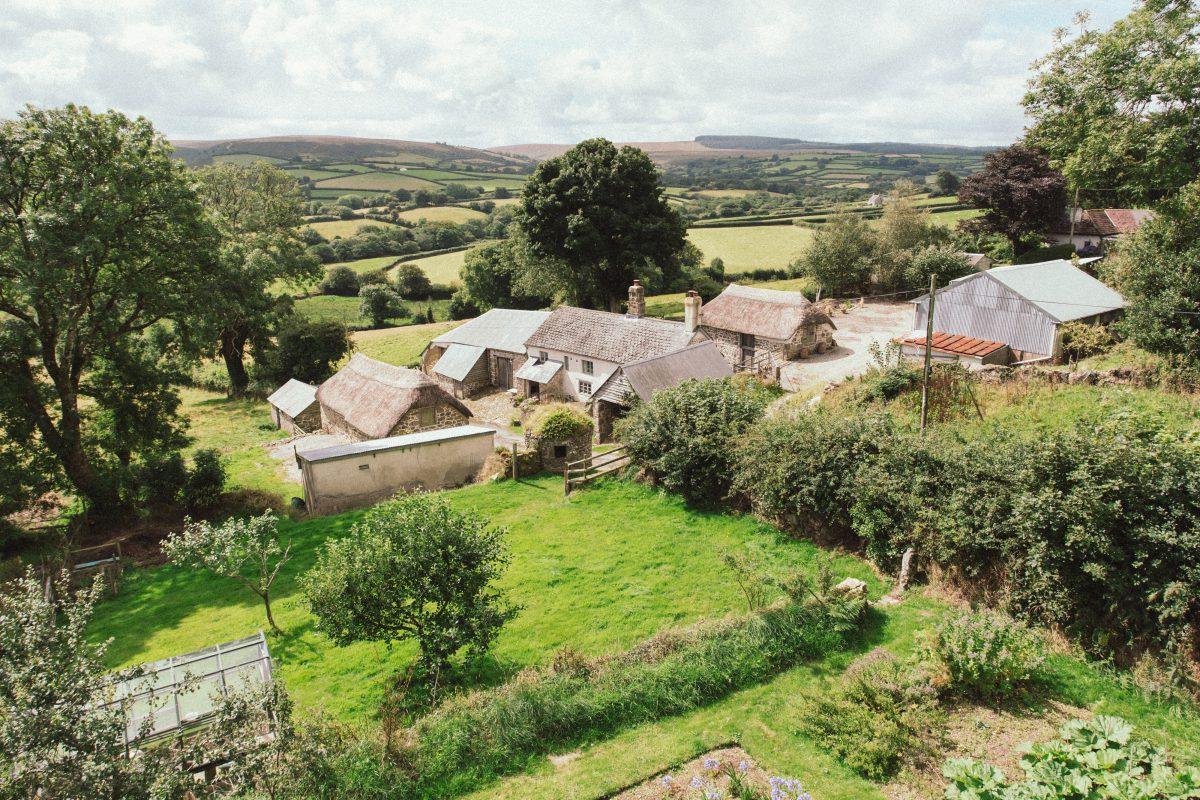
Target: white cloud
485,73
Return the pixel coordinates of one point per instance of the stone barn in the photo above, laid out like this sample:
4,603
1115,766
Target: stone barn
639,380
482,353
368,399
760,327
294,407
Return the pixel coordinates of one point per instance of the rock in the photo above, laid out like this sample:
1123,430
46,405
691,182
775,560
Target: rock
1084,376
851,587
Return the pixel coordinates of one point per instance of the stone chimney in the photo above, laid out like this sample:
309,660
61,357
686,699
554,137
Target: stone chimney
691,311
637,300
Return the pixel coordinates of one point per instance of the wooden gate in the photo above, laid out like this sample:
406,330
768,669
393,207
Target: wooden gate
585,470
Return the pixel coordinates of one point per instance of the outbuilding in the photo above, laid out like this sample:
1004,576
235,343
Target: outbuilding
639,380
1022,306
754,327
368,399
354,475
484,352
294,407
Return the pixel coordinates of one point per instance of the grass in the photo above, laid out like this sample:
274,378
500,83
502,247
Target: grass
241,431
752,247
376,182
456,214
400,346
326,307
442,268
312,174
597,572
364,265
345,228
244,159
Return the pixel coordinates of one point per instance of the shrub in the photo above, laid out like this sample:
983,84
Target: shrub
379,304
882,715
1093,758
305,350
341,281
474,738
987,654
684,437
205,482
162,476
462,306
375,277
557,422
411,282
1081,340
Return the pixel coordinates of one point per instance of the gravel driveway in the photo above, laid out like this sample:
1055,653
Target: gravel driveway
856,330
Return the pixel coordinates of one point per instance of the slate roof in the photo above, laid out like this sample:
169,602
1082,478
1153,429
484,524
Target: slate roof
293,397
1058,288
372,396
538,371
458,361
649,375
499,329
976,259
392,443
767,313
606,336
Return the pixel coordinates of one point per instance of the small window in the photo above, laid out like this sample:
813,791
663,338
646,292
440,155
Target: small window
426,417
560,451
585,387
588,368
543,356
566,363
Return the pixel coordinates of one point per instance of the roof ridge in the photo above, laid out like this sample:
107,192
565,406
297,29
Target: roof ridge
666,355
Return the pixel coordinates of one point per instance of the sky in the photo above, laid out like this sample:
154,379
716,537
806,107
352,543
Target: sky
491,73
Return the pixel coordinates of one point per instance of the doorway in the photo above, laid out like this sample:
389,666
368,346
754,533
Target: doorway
747,344
504,376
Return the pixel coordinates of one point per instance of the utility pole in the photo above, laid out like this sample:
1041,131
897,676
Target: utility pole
928,352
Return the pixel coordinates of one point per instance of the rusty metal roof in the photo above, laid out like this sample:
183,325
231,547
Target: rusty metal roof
959,345
768,313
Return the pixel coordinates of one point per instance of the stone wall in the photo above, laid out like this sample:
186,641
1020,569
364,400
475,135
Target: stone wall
808,339
306,421
445,416
517,359
604,414
556,454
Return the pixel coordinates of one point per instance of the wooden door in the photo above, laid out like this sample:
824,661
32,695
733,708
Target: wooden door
746,342
504,375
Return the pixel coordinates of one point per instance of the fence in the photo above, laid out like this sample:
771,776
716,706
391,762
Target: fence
585,470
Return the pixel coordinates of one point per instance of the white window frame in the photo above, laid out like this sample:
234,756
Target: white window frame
588,390
589,368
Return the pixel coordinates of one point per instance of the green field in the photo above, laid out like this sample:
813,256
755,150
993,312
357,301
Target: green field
752,247
400,346
456,214
364,265
343,228
245,158
312,174
442,268
332,308
376,182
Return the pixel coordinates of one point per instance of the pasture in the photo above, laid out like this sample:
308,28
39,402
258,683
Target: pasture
243,159
333,308
364,265
343,228
442,268
455,214
752,247
375,182
400,346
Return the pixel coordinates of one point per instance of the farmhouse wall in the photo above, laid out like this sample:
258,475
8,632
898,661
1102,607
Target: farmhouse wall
444,416
306,421
807,340
557,453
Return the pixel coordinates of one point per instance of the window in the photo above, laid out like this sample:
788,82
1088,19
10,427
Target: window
543,356
560,451
588,368
585,387
426,417
566,363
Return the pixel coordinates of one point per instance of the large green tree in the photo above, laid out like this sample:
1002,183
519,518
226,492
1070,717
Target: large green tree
102,237
595,218
1118,111
256,208
841,255
1020,192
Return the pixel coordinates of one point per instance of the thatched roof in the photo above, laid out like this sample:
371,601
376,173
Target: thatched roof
769,313
372,396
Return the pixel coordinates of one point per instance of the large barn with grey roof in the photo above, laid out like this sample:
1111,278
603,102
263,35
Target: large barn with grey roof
483,352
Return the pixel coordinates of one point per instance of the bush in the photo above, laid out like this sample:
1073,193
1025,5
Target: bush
684,437
1095,758
987,654
162,476
341,281
557,422
375,277
379,304
1081,340
305,350
205,482
882,715
474,738
411,282
1048,253
462,306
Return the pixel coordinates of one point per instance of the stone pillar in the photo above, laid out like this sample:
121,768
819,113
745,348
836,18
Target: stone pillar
691,311
636,307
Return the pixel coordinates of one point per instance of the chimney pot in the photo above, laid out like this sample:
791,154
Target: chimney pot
636,307
691,311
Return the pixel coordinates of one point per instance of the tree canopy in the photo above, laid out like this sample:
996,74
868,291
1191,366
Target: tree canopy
1118,111
102,237
1020,192
595,218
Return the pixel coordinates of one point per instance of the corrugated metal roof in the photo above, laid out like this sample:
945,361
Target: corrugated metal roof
606,336
1058,288
458,360
769,313
954,343
293,397
393,443
372,396
538,371
499,329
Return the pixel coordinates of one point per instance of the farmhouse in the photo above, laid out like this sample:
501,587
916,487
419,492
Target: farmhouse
294,407
639,380
354,475
484,352
1091,230
1021,306
576,349
368,399
753,327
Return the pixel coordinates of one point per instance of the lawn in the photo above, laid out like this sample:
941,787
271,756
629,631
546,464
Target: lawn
344,228
456,214
596,572
240,430
752,247
327,307
400,346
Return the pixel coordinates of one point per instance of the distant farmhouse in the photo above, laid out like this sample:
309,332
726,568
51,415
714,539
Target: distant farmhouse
368,399
1095,228
1019,308
979,261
